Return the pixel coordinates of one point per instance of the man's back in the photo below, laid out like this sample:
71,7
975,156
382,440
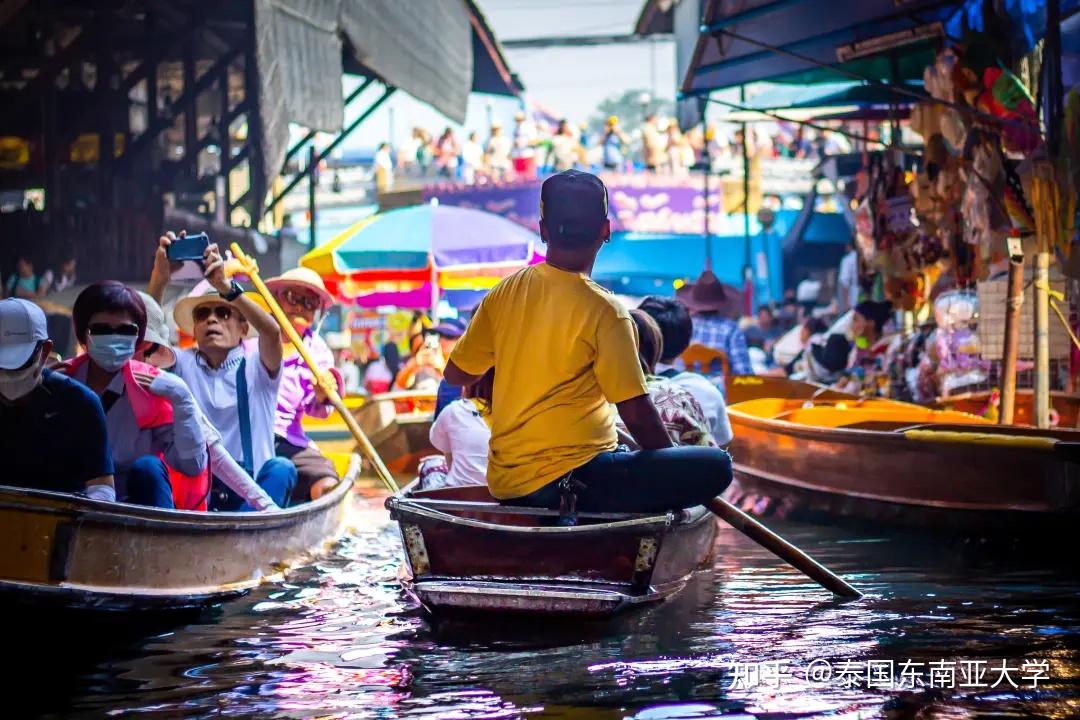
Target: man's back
563,348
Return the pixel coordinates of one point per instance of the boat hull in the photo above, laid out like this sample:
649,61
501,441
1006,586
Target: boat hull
70,552
487,559
878,476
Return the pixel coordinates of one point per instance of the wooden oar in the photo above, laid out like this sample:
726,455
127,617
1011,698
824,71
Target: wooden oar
251,269
783,549
772,542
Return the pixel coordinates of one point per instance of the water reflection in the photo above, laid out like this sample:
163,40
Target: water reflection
338,640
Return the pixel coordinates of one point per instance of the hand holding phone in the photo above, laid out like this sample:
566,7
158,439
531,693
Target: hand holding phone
188,247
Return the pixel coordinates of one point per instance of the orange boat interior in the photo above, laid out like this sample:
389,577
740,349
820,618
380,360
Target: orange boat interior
853,414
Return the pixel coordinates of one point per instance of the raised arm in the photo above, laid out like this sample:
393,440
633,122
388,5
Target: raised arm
270,347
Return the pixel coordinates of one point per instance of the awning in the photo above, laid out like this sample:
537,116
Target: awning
438,56
788,39
655,18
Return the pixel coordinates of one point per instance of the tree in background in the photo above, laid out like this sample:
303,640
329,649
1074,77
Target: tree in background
631,108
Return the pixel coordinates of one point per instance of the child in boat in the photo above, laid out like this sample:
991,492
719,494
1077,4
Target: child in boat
565,350
679,411
152,417
676,329
462,432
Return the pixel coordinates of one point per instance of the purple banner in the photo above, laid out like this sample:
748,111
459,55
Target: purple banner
638,203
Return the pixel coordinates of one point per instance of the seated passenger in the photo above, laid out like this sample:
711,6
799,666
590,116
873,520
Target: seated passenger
423,371
235,383
54,436
679,411
462,432
192,492
301,294
565,348
676,329
151,415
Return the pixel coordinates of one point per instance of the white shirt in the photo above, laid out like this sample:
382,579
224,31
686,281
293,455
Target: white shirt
461,433
709,398
848,280
215,392
498,149
472,155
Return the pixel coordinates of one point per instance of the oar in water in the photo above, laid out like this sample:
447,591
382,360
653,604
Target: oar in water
251,269
772,542
783,549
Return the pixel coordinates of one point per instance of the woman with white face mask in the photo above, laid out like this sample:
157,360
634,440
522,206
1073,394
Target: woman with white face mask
151,416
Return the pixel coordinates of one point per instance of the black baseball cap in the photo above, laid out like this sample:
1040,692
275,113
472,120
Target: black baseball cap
573,204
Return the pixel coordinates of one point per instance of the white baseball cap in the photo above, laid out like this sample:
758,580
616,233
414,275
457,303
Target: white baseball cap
22,327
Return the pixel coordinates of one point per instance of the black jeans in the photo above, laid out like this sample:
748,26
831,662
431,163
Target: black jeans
642,481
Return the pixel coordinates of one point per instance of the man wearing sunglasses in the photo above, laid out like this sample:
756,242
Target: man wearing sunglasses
54,437
235,383
302,295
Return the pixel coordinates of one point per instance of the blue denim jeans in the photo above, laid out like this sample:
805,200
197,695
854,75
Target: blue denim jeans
277,477
641,481
148,483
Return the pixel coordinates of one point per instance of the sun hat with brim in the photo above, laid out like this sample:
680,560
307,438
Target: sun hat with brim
708,294
184,312
305,278
22,327
157,327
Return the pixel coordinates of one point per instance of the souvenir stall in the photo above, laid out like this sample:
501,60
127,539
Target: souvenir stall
936,235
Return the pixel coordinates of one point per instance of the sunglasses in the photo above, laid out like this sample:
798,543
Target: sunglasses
221,312
126,329
304,300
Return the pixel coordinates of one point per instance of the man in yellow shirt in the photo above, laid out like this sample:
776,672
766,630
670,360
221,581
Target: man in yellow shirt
564,349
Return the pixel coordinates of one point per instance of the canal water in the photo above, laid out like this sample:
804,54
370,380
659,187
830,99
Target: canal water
748,638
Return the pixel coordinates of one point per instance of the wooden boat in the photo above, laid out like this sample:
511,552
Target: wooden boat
467,553
886,461
739,388
397,423
1066,405
63,551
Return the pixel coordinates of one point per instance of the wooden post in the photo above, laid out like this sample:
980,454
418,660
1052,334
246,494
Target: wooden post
1014,303
1042,337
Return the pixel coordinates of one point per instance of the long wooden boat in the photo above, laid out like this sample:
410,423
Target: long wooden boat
1066,405
397,423
892,462
467,553
63,551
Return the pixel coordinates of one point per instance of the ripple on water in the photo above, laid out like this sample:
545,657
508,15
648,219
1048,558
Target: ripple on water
339,640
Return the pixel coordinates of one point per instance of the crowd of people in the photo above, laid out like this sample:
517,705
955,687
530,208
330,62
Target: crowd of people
213,426
529,149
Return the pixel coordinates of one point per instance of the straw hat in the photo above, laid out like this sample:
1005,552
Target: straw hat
201,294
304,278
157,327
708,294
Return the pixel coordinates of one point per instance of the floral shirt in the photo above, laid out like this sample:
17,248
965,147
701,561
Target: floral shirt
680,412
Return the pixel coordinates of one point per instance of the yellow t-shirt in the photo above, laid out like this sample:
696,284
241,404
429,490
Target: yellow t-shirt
563,348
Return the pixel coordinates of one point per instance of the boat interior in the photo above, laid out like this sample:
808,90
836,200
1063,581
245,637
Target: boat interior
854,414
474,502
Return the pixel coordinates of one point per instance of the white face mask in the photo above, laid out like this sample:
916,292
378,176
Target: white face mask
15,384
110,352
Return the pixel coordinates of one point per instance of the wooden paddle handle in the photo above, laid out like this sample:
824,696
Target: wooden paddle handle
780,547
330,388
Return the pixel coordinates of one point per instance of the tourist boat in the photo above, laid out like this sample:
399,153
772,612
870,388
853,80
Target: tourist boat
1066,405
64,551
467,553
739,388
398,424
893,462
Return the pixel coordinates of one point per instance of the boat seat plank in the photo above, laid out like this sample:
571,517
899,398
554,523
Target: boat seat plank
454,506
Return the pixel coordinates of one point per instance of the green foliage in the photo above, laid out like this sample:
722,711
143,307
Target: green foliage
630,110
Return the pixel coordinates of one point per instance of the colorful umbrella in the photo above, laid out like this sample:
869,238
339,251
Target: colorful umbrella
397,254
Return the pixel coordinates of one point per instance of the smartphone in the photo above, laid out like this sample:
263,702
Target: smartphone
189,247
431,341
